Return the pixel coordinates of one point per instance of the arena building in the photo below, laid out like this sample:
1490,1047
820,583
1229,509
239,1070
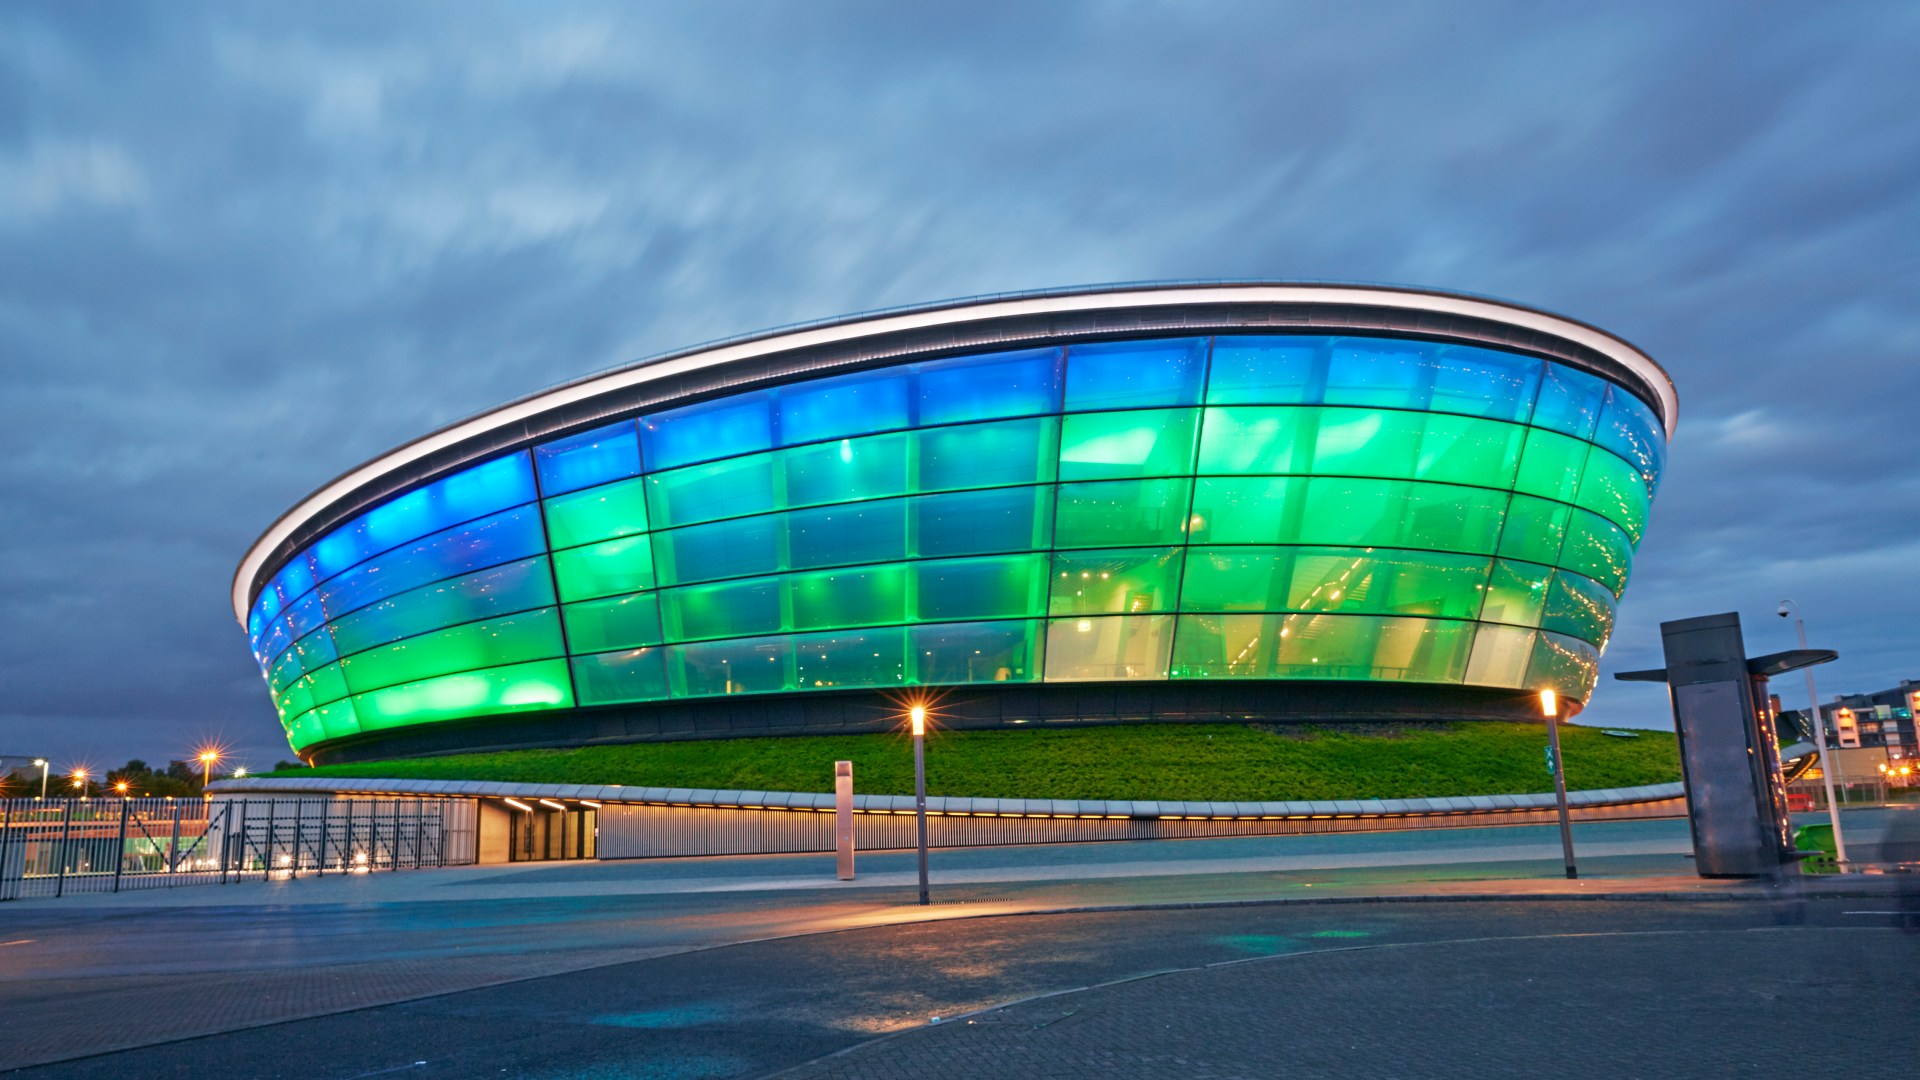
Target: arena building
1180,502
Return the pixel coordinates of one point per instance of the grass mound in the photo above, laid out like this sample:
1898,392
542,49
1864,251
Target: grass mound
1165,761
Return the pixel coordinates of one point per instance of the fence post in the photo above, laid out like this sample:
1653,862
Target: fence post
266,851
299,820
173,847
66,830
326,829
6,852
120,864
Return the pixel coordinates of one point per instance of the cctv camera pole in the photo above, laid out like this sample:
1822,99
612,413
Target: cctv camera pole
1819,738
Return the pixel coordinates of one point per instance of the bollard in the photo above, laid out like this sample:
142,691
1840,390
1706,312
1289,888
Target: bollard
843,817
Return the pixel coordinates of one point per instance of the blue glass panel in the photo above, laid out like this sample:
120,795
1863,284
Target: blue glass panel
847,405
722,489
975,652
1628,427
1022,383
726,609
838,535
850,658
847,470
988,455
500,590
464,496
589,458
751,665
979,522
483,489
714,429
487,542
634,675
721,550
1569,401
310,653
294,580
1382,372
273,642
1268,371
1482,382
1124,374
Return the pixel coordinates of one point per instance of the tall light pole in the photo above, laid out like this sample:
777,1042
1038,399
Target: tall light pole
207,758
1819,734
1550,705
918,716
42,762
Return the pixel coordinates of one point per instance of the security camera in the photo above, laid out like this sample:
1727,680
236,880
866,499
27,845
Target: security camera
1784,611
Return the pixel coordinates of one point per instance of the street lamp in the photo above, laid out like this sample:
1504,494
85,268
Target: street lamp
207,759
1550,706
42,762
79,777
1819,734
917,716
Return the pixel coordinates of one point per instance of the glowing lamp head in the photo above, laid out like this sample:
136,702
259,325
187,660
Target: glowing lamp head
918,715
1549,703
208,757
121,787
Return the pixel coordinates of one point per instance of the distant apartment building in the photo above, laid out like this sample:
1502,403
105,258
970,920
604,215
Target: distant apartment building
1883,719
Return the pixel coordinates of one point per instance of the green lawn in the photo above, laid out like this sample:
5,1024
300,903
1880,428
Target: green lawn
1167,761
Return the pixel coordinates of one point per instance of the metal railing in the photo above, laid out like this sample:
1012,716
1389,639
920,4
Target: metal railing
52,847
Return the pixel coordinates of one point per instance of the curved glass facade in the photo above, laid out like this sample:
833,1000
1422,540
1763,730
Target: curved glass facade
1230,507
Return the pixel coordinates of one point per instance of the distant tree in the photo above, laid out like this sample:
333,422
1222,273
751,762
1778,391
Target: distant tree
288,766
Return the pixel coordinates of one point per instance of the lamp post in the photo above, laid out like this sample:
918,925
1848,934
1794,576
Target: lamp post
1819,735
79,777
918,716
42,762
1550,705
207,758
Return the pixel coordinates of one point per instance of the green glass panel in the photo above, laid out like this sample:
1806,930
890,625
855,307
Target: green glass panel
1597,548
1387,582
850,658
1114,582
1344,647
1225,646
1467,450
532,635
1108,647
338,719
1535,531
1516,593
720,549
987,455
305,655
1267,370
1500,656
846,471
600,513
837,535
1238,578
1368,442
619,622
1563,664
731,488
1615,490
1243,439
978,652
1447,518
1358,513
751,666
1550,465
1121,513
604,569
1579,607
1247,509
981,522
858,596
726,609
305,730
515,688
631,675
1122,445
1001,586
316,688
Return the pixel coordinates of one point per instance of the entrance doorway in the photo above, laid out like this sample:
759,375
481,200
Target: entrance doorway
547,834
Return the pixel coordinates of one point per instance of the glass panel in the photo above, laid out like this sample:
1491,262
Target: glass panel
1268,371
1000,587
1500,657
845,405
1258,439
1225,646
499,591
728,609
634,675
541,684
1238,578
1579,607
1615,490
1565,664
707,492
1550,466
1516,593
1387,583
1444,518
975,652
833,535
861,596
307,654
1108,647
620,622
604,569
739,424
468,494
966,388
592,457
1569,401
1597,548
1462,450
1481,382
1535,530
1384,513
1247,510
337,719
850,469
1126,581
723,549
532,635
1122,513
1380,372
1348,647
488,542
600,513
1124,374
849,659
1629,428
1368,442
751,666
988,455
305,731
1114,446
980,522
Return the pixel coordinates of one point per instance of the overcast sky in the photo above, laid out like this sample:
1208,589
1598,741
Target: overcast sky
244,247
